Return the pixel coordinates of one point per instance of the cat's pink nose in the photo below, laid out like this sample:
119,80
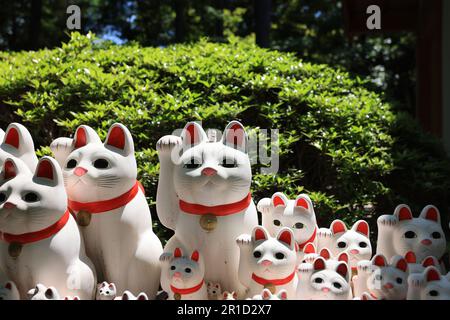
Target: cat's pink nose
266,263
388,285
209,172
426,242
177,275
79,171
9,205
326,290
354,251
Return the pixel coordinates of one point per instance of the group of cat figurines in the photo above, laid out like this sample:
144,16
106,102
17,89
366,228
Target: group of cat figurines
78,227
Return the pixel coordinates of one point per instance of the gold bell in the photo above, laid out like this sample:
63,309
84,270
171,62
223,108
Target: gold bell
208,222
177,296
15,249
83,218
272,288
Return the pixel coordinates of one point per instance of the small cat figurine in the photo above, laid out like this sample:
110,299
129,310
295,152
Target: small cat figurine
324,281
214,290
41,292
400,233
298,215
111,207
267,295
268,262
9,291
355,242
127,295
35,222
17,143
229,295
182,277
381,280
429,285
106,291
204,196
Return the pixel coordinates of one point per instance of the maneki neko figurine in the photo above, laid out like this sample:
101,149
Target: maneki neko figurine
111,208
39,239
204,196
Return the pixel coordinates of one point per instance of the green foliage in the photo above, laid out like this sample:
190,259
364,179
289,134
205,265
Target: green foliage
339,141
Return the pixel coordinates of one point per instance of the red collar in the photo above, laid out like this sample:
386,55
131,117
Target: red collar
276,282
37,235
311,239
106,205
187,290
220,210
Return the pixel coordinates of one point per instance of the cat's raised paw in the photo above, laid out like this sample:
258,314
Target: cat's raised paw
167,143
244,240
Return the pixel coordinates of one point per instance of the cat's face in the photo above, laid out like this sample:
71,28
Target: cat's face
388,281
273,258
298,215
329,283
31,202
436,286
106,291
98,171
185,272
17,143
214,289
213,173
423,235
355,242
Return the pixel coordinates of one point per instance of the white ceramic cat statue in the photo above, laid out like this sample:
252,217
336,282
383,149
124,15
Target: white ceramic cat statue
204,196
355,241
298,215
35,222
127,295
267,295
381,280
430,285
214,290
400,233
322,280
9,291
182,277
268,262
17,143
106,291
41,292
111,208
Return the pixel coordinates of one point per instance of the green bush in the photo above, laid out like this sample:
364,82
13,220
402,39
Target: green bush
339,142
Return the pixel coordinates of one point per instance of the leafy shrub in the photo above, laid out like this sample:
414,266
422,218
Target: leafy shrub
339,141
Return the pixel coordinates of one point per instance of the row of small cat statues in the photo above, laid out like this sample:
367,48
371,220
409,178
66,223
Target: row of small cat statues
81,218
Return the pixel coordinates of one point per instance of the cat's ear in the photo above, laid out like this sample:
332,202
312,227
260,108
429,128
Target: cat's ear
10,169
2,135
195,256
177,253
234,294
192,135
401,264
379,260
343,256
50,293
325,253
126,295
282,295
319,264
142,296
432,274
48,172
266,294
17,140
279,199
338,226
225,294
361,227
112,286
287,237
430,261
430,212
403,212
119,140
342,269
309,248
235,136
260,233
8,285
85,135
303,201
410,257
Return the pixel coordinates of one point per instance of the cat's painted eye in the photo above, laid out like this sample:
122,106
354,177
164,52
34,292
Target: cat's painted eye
30,197
192,164
410,234
433,293
172,268
399,280
279,255
71,164
341,244
337,285
229,163
277,222
363,244
257,254
436,235
187,270
378,277
318,280
2,197
101,163
299,225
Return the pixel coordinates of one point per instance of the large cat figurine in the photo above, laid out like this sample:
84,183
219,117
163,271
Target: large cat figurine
298,215
355,241
111,208
17,143
182,277
268,262
204,196
429,285
400,233
39,239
